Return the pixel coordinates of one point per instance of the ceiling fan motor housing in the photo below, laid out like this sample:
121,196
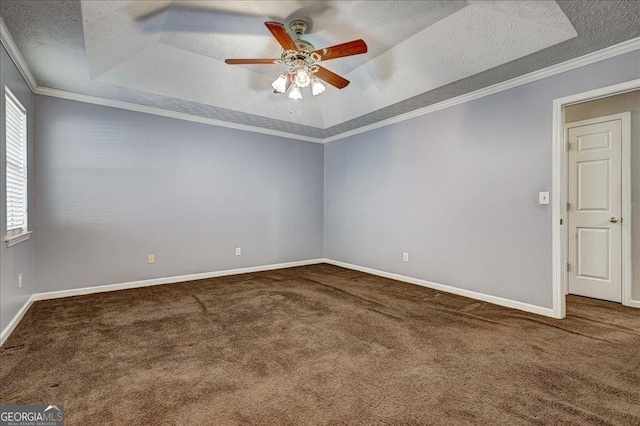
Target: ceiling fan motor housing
299,58
304,45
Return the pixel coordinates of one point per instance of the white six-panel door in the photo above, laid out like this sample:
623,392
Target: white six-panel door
595,207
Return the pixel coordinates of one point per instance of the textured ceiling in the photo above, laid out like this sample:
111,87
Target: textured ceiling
420,52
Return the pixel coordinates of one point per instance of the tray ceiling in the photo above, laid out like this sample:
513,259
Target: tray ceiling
420,52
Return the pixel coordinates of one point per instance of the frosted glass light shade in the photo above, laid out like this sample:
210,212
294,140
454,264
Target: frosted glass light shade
280,85
302,78
317,87
295,93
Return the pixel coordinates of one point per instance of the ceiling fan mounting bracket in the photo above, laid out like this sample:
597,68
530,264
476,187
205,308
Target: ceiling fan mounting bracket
298,27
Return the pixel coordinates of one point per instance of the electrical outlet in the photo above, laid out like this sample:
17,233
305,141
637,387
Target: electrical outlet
152,258
405,257
238,251
20,280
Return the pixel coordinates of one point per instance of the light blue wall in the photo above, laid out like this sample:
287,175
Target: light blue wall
18,258
115,185
458,189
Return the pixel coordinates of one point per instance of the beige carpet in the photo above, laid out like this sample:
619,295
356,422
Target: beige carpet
321,345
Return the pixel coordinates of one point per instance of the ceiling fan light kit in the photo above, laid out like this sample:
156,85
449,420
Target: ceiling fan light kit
282,83
316,86
295,93
301,57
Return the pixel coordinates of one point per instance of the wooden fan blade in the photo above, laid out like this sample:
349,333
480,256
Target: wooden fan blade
251,61
355,47
331,78
280,33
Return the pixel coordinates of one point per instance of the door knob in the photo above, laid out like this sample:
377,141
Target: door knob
613,219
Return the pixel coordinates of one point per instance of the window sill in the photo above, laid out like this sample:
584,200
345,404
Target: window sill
12,240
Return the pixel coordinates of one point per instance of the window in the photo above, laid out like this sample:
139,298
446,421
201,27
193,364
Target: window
16,130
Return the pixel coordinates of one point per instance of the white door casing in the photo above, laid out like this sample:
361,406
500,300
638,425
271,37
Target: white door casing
559,213
595,208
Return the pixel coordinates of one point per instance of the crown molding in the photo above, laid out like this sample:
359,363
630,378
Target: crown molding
606,53
16,56
600,55
63,94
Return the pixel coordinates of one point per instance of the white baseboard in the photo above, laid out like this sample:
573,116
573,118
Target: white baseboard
169,280
143,283
448,289
14,322
633,303
182,278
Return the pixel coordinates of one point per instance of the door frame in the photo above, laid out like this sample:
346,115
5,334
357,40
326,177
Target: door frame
560,239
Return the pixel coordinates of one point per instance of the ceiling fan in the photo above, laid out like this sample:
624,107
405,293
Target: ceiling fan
301,58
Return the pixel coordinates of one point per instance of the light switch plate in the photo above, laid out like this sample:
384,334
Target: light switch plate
543,198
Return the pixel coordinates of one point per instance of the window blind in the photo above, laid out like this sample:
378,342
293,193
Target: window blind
16,127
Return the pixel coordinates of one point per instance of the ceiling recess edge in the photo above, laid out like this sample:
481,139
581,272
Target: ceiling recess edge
606,53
